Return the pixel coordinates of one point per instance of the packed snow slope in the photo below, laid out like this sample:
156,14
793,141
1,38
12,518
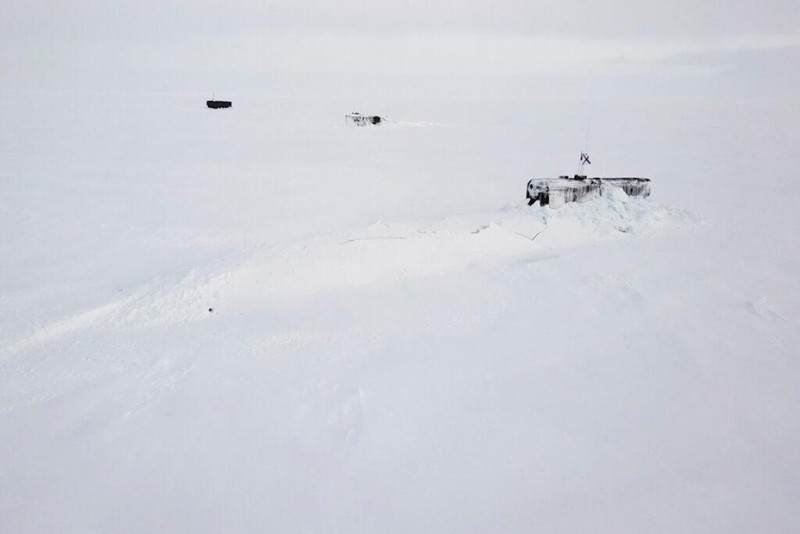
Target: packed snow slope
262,320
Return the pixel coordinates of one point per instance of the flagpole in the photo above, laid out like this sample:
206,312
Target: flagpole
585,153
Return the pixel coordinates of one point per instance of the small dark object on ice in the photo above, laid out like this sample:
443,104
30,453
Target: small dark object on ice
211,310
217,104
363,120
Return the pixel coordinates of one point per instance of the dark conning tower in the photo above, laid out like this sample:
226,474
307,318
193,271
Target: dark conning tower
578,188
218,104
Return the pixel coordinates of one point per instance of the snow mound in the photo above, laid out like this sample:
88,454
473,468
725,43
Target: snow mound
378,253
391,252
403,124
614,215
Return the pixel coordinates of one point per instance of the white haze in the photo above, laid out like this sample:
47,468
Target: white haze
262,320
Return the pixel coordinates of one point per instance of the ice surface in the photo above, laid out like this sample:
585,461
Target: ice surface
263,320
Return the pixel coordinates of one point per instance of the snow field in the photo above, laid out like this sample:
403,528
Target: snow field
397,342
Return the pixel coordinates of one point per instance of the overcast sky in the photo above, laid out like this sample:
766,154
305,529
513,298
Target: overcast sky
92,41
147,19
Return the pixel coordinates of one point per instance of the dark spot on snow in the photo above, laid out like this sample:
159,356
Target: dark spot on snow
211,310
